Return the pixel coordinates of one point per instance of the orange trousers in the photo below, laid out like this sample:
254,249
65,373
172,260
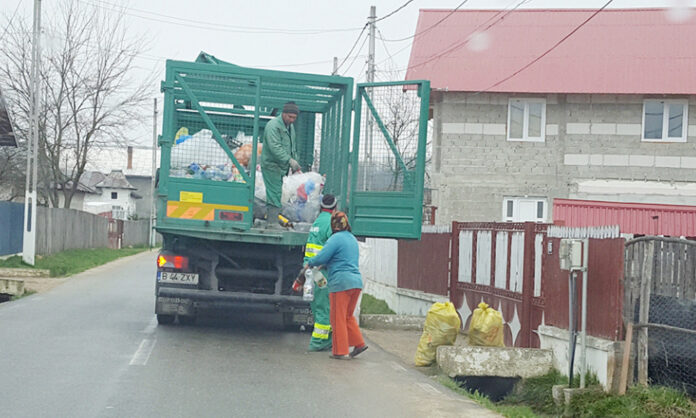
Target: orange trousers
346,332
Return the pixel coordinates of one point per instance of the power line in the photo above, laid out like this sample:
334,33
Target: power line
199,24
429,28
394,12
9,22
550,49
352,48
356,57
457,45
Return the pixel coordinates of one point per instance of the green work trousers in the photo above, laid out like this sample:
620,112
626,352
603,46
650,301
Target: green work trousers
273,180
321,336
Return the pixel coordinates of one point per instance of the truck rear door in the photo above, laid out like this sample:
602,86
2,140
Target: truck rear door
388,157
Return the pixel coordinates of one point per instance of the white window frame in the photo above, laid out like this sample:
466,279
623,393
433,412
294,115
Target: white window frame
665,121
525,120
516,208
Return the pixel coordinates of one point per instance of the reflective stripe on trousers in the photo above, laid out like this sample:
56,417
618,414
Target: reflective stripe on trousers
321,331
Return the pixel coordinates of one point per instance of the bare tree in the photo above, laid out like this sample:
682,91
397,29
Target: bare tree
12,169
399,111
88,94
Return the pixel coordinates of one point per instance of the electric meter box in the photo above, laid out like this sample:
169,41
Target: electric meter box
570,254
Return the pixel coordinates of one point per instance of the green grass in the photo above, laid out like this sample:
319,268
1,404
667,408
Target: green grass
503,409
370,305
26,293
532,397
70,262
655,401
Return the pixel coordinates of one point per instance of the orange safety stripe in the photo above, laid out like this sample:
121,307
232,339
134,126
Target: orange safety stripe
199,211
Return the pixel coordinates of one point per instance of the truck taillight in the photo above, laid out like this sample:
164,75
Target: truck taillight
178,262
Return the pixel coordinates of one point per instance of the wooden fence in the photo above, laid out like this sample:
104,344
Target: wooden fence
59,229
660,299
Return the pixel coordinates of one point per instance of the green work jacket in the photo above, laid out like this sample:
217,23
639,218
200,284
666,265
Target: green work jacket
278,146
318,234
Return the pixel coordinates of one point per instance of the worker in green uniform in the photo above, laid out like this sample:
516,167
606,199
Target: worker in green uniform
279,154
318,234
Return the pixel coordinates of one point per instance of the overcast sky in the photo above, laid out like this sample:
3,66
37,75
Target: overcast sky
299,36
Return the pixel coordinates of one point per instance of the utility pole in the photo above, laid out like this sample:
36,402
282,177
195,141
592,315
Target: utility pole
153,198
371,57
29,241
370,76
335,67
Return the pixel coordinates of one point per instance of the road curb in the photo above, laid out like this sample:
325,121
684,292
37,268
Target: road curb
20,272
395,322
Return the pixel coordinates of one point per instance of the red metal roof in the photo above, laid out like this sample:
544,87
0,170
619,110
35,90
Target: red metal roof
632,218
620,51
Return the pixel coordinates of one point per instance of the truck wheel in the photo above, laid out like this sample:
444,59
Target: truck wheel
165,319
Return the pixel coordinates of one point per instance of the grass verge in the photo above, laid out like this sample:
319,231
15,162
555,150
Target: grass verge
532,397
26,293
370,305
70,262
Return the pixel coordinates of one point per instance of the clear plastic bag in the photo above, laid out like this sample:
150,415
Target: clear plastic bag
301,196
441,328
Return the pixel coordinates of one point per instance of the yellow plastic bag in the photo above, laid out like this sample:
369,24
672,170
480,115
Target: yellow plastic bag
441,328
486,327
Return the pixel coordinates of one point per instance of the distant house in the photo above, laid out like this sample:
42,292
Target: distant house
108,195
607,115
136,164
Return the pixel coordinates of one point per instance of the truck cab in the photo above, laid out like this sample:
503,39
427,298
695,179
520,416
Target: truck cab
366,141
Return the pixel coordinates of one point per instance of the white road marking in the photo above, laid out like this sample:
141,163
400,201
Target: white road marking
428,388
397,366
150,328
142,355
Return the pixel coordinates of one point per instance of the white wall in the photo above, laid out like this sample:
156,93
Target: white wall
378,265
603,356
124,199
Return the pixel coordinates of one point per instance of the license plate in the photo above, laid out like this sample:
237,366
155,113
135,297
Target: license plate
177,278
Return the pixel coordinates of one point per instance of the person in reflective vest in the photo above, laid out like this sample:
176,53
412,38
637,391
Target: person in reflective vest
318,234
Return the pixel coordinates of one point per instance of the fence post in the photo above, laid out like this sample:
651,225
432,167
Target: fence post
527,285
643,314
454,263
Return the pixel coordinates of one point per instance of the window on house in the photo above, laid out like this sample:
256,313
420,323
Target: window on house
524,209
114,195
665,120
526,120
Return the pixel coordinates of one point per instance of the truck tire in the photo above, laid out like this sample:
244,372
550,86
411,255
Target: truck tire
165,319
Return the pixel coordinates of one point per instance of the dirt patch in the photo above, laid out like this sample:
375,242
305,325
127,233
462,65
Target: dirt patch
43,284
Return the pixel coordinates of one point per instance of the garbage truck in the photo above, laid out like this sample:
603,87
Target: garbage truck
367,142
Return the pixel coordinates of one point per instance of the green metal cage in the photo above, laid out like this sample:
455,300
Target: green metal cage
211,107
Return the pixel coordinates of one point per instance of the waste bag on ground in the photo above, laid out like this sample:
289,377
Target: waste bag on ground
441,328
486,327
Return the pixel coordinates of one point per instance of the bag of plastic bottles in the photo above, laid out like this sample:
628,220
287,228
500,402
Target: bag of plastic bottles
486,327
301,196
441,328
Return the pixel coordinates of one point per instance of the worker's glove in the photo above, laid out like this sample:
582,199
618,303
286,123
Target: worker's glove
295,165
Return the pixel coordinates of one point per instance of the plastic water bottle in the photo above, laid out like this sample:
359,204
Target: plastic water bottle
308,289
319,279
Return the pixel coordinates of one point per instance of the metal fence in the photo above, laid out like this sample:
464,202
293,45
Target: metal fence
11,223
660,301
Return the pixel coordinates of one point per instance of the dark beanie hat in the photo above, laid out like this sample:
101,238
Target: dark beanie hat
328,201
291,107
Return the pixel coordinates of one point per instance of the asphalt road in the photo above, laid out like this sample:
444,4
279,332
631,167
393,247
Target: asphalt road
92,348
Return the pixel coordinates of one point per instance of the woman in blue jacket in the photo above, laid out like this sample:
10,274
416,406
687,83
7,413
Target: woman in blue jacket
340,256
